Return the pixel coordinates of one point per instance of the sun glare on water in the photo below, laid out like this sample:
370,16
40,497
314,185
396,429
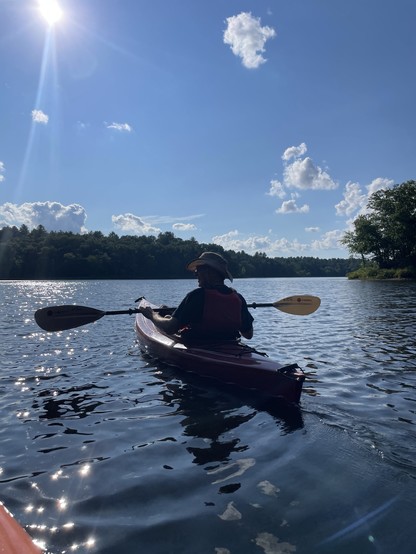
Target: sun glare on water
50,11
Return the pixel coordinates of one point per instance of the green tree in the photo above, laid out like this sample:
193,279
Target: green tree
386,235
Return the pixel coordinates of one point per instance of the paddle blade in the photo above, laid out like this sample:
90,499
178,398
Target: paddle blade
60,318
298,305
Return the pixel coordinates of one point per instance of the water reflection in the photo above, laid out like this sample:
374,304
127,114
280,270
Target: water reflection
78,402
213,412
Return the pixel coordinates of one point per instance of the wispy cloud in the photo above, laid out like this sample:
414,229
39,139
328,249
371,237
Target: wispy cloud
38,116
166,219
121,127
246,37
2,170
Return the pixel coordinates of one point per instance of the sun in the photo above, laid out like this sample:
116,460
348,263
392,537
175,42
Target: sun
50,11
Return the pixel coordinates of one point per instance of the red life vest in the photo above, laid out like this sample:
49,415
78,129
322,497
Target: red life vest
221,315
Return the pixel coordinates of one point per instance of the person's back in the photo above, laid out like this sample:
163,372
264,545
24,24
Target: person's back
211,312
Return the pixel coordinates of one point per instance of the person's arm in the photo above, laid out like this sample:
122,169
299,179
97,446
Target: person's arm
167,324
246,320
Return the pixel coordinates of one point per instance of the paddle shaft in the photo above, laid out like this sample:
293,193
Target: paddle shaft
60,318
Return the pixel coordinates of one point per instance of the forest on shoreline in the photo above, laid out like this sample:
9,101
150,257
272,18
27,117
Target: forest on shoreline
39,254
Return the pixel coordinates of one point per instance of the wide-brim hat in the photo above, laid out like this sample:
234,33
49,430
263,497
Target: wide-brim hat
214,260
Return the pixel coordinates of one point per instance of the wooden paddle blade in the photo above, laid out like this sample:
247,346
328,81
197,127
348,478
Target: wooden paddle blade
60,318
298,305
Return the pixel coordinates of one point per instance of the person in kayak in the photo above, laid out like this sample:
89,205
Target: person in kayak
213,311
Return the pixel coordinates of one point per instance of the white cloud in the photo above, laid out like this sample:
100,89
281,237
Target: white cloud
304,174
2,170
183,227
168,219
130,223
122,127
353,200
231,241
294,152
38,116
268,245
312,229
52,215
290,207
329,241
379,184
247,38
276,189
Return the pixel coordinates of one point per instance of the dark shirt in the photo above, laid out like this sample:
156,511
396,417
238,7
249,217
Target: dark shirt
191,309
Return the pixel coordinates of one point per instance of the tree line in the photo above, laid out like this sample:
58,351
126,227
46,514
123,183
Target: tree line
39,254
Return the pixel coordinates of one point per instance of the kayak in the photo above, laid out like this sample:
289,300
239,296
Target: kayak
229,362
13,538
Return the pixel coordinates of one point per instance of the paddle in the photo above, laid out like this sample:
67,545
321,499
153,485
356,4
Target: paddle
60,318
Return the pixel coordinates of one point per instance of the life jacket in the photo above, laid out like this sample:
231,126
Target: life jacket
221,316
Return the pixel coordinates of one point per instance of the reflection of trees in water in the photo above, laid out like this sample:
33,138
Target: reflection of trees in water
79,401
212,412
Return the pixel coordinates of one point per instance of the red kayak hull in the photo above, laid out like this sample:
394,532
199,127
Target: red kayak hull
231,363
13,538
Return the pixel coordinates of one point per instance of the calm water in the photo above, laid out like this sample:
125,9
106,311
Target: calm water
103,451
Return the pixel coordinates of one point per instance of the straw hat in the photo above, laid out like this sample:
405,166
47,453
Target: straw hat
213,260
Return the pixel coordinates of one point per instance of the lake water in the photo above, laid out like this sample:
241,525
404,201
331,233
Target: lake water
104,451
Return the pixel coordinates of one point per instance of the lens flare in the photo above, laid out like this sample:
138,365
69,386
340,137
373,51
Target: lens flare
50,11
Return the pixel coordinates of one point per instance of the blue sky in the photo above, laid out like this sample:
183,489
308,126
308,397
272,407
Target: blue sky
257,125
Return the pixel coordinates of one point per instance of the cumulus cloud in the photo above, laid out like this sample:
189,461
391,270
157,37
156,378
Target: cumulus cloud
183,227
290,207
355,200
2,170
130,223
52,215
231,241
268,245
379,184
38,116
329,240
121,127
299,172
304,174
294,152
246,37
277,189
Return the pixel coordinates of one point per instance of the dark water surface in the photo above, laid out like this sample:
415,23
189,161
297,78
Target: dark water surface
104,451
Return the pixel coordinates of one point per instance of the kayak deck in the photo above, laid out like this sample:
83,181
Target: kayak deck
229,362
